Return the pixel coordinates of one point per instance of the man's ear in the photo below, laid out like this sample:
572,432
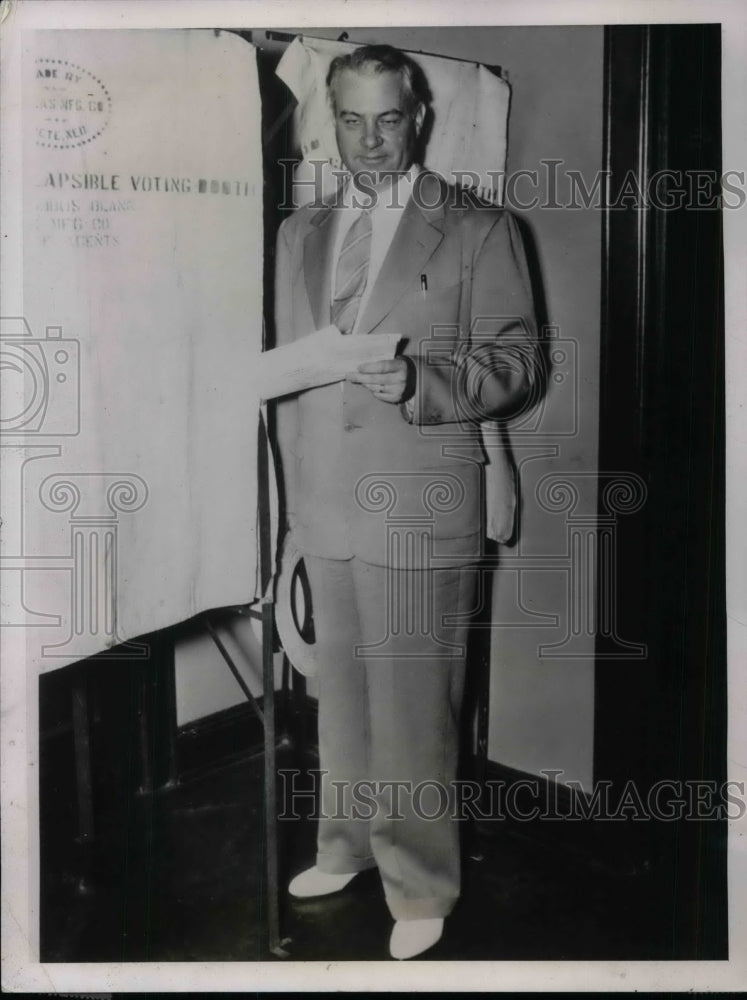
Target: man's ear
419,118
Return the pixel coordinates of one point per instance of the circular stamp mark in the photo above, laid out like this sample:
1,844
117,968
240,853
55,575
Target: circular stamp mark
73,105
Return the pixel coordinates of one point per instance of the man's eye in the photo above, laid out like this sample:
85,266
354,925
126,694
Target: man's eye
350,120
390,122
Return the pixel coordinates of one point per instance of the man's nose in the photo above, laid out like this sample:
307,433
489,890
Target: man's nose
371,136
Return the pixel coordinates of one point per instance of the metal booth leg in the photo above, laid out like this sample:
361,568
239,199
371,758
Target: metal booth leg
266,615
276,943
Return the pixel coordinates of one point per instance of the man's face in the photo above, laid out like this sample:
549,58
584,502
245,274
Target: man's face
375,132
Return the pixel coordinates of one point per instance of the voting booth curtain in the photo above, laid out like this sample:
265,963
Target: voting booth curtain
130,443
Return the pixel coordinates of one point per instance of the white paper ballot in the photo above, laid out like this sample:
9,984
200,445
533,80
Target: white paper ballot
318,359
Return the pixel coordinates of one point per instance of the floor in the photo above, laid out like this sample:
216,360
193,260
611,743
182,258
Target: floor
179,876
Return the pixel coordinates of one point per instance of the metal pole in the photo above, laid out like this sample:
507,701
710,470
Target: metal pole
271,821
268,700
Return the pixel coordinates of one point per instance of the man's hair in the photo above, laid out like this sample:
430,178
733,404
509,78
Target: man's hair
383,59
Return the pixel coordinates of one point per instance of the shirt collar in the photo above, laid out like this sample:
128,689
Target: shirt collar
396,198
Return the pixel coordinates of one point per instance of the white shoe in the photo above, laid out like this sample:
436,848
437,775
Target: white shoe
313,882
411,937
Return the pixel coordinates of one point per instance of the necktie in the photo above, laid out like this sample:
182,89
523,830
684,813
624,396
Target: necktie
352,272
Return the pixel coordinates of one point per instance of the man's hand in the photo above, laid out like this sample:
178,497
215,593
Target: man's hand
390,381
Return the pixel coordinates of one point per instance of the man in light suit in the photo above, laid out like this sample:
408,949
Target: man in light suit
383,480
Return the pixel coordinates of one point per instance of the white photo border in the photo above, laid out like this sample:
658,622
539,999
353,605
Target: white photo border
21,971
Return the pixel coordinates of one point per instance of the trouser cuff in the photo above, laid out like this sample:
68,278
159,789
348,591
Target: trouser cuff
421,909
340,864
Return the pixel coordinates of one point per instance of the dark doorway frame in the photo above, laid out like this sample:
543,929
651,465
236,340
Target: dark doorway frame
663,718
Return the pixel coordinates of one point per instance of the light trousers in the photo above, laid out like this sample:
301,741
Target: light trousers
391,680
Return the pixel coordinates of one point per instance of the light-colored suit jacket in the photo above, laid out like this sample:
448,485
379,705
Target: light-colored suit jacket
359,472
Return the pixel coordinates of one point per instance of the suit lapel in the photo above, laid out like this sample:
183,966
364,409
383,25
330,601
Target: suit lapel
317,273
419,233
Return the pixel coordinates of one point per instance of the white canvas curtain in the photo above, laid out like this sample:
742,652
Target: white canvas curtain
133,481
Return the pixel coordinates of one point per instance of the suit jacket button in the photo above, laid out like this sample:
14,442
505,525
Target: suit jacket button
349,426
